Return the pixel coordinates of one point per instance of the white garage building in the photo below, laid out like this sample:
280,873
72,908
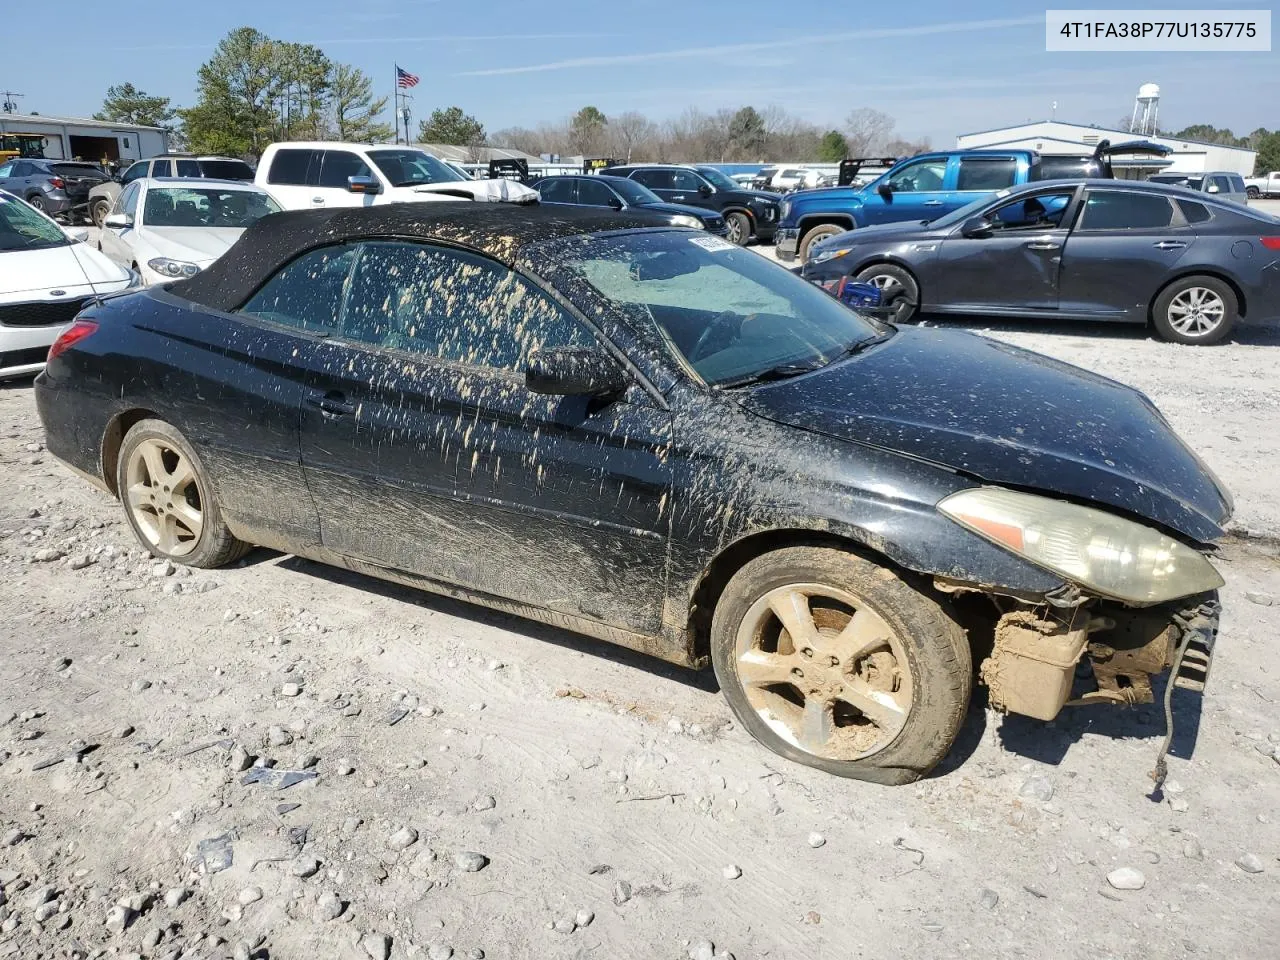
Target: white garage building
1058,137
66,138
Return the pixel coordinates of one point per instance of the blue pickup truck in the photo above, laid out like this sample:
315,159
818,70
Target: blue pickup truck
929,185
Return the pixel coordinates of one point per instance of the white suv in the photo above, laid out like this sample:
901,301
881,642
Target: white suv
305,175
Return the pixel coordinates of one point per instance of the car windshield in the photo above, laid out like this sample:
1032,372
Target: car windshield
408,168
74,171
724,312
719,180
21,228
633,192
205,207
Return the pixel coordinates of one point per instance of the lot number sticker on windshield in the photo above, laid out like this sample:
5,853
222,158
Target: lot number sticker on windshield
712,244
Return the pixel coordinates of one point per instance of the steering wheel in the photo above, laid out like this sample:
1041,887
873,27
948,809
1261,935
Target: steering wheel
719,320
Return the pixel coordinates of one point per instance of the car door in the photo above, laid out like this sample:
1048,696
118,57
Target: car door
562,190
115,241
1121,250
912,191
1015,265
689,188
6,175
427,454
291,175
21,177
331,184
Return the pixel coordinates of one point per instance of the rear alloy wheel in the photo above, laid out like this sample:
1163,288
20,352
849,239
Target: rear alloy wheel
898,290
839,664
738,228
820,232
1195,310
37,202
99,212
1253,193
168,500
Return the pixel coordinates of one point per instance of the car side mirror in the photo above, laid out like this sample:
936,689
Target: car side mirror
1213,188
885,190
118,221
364,185
976,228
77,234
705,191
574,371
615,203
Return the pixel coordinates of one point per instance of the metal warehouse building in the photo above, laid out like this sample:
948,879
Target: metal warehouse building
1058,137
66,138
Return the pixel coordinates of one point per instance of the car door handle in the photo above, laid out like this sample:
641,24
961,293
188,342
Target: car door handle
319,200
1170,245
1043,245
333,405
932,203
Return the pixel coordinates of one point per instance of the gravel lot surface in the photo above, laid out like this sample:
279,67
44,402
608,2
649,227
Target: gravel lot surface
471,784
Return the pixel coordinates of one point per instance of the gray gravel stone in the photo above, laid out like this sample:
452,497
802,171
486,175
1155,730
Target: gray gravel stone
1192,850
468,861
344,767
439,951
1250,863
290,689
47,555
1039,788
485,803
11,837
249,895
732,872
989,898
328,906
702,950
305,867
175,897
621,892
403,838
278,736
376,945
45,911
584,918
118,918
1262,599
1127,878
816,840
240,759
563,925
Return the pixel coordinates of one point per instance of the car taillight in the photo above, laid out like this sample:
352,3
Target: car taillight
71,336
57,183
1271,243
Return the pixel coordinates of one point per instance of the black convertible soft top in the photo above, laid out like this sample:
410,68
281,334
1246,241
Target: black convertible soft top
499,230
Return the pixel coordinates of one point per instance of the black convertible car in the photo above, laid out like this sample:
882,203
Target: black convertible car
648,435
1184,262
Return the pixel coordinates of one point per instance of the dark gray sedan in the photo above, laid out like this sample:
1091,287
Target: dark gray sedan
1188,264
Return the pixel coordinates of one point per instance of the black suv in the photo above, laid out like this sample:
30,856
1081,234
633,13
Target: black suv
748,213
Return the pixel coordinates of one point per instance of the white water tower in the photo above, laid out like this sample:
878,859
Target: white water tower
1146,110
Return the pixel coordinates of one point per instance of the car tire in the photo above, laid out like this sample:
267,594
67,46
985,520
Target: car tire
37,202
820,232
99,212
898,290
800,698
169,500
1196,310
737,228
1253,193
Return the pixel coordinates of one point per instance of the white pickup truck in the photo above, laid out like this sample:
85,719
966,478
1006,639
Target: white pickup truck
1267,185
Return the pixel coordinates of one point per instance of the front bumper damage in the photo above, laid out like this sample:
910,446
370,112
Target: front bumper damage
1032,666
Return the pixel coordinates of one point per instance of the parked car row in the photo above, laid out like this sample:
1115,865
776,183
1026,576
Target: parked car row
643,433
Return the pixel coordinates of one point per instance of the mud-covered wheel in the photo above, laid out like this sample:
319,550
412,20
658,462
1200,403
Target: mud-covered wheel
99,212
1195,310
898,289
169,501
816,235
837,663
738,228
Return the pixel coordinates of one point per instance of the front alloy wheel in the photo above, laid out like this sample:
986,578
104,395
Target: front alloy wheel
837,663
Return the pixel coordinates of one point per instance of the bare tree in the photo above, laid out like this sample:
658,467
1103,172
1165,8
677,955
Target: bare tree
629,132
867,131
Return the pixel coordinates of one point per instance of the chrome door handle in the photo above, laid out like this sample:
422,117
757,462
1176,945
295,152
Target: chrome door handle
1170,245
932,203
317,199
1043,245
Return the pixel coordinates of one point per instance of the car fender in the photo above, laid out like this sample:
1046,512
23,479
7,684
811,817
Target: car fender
1229,277
738,208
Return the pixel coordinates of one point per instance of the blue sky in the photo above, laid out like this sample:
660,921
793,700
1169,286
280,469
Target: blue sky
940,68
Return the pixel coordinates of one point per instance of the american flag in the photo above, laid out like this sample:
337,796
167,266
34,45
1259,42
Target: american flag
405,79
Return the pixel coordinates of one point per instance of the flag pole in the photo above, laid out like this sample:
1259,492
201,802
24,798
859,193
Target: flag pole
395,102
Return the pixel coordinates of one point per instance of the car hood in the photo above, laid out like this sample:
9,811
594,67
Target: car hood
903,230
496,190
1007,416
33,274
674,209
825,194
745,196
199,245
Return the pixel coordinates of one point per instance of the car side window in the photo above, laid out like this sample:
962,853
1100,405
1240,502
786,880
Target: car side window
1237,183
1041,212
24,169
6,169
307,293
127,203
1195,212
653,179
685,180
559,190
919,176
160,168
340,164
1122,210
135,172
289,167
454,305
188,168
987,173
594,193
